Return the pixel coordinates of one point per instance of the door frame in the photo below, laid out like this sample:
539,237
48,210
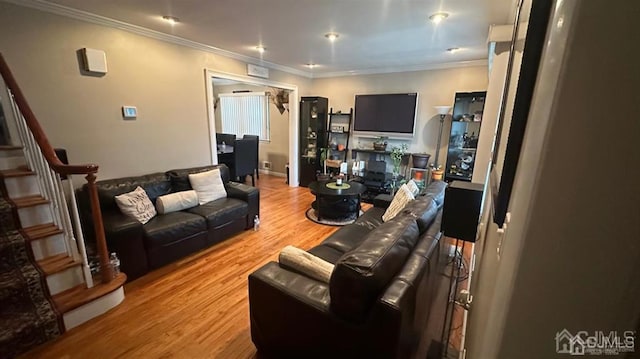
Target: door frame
293,115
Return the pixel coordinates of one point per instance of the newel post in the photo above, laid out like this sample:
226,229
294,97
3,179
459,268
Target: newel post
106,270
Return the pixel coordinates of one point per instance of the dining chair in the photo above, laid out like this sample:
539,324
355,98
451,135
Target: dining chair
245,158
227,138
257,145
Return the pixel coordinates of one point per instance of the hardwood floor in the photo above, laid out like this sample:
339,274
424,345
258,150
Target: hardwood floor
197,307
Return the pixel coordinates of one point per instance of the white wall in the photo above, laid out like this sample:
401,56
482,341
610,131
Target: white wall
83,113
569,256
486,249
491,113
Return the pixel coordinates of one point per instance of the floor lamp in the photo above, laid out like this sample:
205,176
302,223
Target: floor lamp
442,111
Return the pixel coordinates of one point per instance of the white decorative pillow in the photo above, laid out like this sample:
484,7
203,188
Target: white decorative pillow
413,187
208,185
136,204
402,197
306,263
176,201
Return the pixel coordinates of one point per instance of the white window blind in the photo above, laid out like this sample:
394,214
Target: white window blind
245,113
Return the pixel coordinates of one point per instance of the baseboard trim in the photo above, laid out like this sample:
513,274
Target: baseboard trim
272,173
93,309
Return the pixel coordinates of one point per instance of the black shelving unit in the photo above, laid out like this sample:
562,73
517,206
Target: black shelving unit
338,137
463,138
313,136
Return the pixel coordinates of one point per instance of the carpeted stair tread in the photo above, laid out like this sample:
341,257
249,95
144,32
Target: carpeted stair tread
57,263
79,295
28,316
16,172
29,201
41,231
9,287
25,325
9,147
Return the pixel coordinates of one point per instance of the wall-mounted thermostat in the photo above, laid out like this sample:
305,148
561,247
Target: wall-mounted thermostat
129,112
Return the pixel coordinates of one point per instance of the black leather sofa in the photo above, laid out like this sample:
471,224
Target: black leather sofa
170,236
378,300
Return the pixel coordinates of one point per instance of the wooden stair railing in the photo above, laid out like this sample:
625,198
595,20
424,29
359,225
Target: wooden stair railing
60,168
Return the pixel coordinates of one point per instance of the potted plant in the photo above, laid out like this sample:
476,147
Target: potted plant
437,172
380,143
324,176
397,153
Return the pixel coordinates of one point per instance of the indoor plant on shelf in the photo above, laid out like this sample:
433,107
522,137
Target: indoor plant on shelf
436,172
380,143
324,176
397,153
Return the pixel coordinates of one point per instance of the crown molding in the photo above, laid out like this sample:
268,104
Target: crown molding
143,31
66,11
392,69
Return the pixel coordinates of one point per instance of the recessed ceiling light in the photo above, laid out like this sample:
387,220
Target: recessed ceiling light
311,65
439,16
332,36
171,19
453,49
260,49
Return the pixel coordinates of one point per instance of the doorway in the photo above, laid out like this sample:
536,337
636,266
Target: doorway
275,154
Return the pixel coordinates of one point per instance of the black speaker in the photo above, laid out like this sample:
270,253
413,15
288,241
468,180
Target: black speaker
461,210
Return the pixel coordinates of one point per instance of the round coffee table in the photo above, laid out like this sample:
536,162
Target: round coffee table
341,203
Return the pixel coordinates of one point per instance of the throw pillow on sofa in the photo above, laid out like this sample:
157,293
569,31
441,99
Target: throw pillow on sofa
176,201
136,204
402,197
306,263
413,187
208,185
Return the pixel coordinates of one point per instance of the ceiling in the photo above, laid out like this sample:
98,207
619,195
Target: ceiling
374,35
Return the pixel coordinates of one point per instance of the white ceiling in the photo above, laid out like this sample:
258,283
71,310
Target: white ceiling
375,35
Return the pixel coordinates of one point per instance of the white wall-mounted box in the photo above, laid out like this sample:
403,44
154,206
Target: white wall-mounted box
257,71
94,60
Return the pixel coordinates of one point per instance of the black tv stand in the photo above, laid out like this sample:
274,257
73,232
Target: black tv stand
371,151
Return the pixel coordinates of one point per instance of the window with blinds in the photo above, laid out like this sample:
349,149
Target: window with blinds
245,113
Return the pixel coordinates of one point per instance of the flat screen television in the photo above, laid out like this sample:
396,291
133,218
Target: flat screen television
392,115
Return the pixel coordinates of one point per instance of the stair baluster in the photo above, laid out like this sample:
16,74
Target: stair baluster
78,230
41,158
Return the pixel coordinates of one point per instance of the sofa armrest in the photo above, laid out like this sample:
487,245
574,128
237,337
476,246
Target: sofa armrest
249,194
306,291
289,314
382,200
242,191
124,236
291,318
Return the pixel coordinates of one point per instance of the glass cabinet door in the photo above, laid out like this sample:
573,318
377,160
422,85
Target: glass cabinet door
308,133
312,139
463,138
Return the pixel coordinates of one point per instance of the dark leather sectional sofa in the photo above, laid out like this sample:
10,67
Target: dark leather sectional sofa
170,236
379,298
